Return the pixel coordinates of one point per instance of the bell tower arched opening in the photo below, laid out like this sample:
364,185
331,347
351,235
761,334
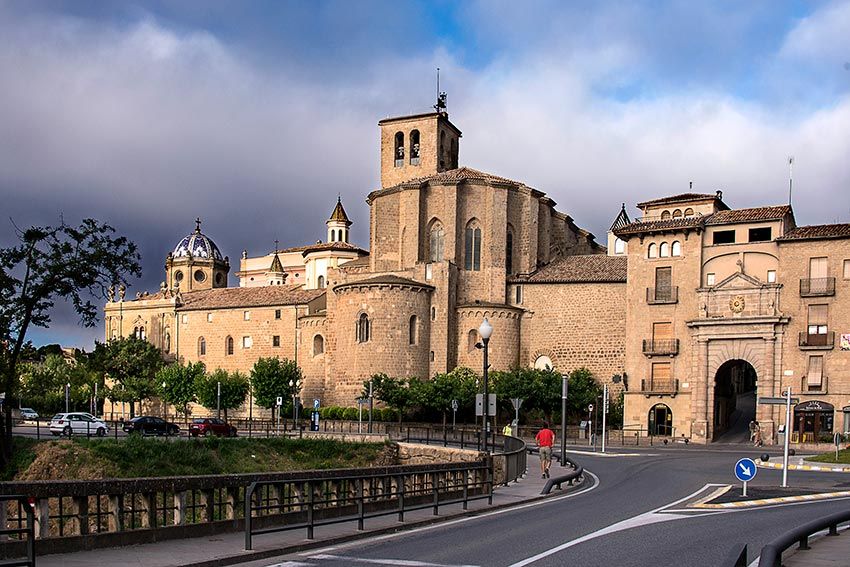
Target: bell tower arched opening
734,401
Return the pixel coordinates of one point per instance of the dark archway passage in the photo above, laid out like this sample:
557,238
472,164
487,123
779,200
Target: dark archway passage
734,401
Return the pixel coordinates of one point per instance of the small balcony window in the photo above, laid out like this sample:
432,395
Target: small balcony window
724,237
761,234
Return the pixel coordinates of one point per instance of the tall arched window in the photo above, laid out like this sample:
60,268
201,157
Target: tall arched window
228,346
509,252
202,346
414,147
471,339
677,214
167,341
472,260
399,149
676,249
364,330
453,157
619,246
142,334
436,242
689,212
413,330
665,215
318,345
442,151
652,251
320,283
664,250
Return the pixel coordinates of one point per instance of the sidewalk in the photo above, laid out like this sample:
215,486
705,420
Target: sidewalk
825,551
228,549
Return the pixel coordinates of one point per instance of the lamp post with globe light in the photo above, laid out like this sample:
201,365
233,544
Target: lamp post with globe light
485,330
295,386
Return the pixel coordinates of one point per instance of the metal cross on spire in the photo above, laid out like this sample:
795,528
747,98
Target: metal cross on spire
198,224
275,246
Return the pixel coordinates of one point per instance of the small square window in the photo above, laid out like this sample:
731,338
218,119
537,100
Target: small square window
709,279
276,341
184,318
246,315
761,234
209,317
771,276
277,313
519,295
724,237
247,342
847,269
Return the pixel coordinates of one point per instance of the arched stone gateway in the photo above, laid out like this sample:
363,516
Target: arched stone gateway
734,405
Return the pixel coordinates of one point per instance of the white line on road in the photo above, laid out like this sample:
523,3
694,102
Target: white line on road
460,520
651,517
397,562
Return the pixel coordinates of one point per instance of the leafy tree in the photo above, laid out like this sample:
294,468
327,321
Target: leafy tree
584,390
133,364
460,384
270,378
396,393
77,264
177,384
234,389
43,384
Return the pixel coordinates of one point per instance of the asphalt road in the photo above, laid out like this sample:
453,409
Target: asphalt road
619,521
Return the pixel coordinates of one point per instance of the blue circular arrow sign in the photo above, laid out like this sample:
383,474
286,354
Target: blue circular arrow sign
745,469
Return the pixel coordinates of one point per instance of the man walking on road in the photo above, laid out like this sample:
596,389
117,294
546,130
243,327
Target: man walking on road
545,439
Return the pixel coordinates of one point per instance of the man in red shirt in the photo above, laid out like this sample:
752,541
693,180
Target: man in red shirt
545,439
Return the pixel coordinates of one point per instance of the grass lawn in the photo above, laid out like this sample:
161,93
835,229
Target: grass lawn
843,457
148,457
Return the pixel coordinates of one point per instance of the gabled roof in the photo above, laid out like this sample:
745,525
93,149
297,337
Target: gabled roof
621,220
817,232
683,198
233,297
338,213
749,215
587,268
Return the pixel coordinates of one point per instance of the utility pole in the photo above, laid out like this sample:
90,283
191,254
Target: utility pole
564,388
787,435
604,413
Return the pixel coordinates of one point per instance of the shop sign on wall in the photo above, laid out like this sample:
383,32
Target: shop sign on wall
844,343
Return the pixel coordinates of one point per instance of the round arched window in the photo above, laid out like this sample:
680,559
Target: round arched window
543,363
200,275
178,276
219,278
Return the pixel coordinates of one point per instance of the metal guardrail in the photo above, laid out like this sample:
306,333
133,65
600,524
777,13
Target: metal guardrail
24,530
575,474
771,554
737,557
305,503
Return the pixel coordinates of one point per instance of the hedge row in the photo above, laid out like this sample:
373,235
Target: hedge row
352,414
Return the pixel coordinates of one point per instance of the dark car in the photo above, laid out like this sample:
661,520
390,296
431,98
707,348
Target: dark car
149,425
209,426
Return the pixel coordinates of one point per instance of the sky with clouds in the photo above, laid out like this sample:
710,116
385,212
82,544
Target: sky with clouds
255,115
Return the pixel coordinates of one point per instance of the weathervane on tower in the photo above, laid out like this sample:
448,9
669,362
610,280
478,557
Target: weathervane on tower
441,96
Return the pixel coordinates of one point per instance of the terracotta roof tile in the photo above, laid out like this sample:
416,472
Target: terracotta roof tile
358,263
460,174
660,225
749,215
232,297
581,269
817,232
332,246
681,198
338,213
386,279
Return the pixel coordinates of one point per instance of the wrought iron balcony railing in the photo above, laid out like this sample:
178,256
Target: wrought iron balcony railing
821,341
660,346
654,386
661,295
806,386
817,287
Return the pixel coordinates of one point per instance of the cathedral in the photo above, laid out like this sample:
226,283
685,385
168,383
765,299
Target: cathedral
691,310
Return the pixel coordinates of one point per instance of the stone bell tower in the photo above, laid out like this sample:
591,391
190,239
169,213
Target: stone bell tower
418,145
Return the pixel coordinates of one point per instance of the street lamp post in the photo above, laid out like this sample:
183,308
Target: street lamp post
485,330
67,397
164,407
370,406
218,400
294,385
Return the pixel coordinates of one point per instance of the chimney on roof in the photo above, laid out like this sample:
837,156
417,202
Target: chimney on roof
719,194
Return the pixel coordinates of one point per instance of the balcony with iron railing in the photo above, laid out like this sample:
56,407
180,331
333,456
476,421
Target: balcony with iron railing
813,388
652,347
656,386
817,287
819,341
662,295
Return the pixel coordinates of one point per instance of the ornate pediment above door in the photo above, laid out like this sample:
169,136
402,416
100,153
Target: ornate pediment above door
739,296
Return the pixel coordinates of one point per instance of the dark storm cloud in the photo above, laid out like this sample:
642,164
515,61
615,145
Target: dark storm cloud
255,120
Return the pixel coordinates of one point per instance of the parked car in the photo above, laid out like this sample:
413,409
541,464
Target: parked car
78,423
28,413
209,426
149,425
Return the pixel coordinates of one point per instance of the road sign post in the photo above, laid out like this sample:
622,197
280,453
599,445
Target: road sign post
591,437
455,406
604,413
745,471
787,435
564,389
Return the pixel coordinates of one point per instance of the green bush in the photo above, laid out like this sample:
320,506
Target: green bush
335,412
350,414
389,414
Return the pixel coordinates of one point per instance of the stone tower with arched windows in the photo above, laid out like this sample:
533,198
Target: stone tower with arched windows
417,146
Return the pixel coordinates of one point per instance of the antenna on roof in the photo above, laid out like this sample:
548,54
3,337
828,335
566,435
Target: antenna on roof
441,96
790,177
690,184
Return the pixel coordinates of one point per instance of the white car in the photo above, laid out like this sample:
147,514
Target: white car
28,413
78,423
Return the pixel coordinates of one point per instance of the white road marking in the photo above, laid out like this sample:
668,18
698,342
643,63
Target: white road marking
397,562
292,564
458,521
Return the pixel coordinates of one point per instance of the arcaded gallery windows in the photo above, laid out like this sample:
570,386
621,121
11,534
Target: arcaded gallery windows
399,149
414,147
363,330
436,242
472,246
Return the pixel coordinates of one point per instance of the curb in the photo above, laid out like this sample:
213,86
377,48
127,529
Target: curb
814,468
319,543
780,500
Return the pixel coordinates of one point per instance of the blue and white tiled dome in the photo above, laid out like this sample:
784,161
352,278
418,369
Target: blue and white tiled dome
197,245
